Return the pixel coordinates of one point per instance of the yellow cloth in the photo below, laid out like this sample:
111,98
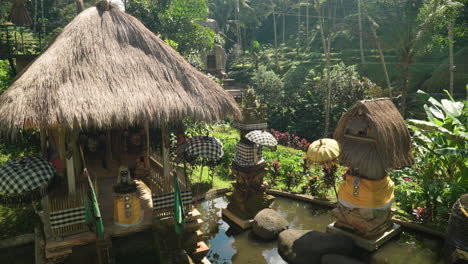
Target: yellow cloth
371,193
120,216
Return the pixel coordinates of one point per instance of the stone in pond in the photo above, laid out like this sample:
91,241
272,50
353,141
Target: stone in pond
306,246
268,224
339,259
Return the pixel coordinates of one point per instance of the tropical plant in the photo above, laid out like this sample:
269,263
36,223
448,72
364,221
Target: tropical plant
267,85
440,174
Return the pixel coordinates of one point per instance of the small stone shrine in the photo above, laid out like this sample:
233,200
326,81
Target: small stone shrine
374,140
249,167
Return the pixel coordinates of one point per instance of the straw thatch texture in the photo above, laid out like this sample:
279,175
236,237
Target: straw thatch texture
385,143
106,69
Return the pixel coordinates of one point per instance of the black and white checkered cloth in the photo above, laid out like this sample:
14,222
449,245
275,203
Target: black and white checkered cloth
67,217
262,138
25,174
167,200
245,155
204,147
245,126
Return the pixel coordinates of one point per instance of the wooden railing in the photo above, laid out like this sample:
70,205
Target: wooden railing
66,212
161,185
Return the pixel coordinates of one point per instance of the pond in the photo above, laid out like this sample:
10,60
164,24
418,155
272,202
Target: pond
230,245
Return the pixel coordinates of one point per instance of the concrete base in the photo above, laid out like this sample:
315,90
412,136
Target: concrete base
367,244
242,223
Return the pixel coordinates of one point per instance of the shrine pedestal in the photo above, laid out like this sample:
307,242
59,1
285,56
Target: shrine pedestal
248,197
367,244
242,223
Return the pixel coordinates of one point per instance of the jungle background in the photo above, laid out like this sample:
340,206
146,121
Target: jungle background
310,61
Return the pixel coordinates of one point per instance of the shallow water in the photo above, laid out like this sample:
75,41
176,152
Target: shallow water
229,245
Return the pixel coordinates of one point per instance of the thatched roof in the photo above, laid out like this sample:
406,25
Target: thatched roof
374,138
19,15
106,69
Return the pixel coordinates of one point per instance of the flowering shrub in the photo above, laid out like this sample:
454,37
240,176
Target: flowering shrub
290,140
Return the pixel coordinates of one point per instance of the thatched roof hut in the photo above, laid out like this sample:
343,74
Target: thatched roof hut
106,69
374,138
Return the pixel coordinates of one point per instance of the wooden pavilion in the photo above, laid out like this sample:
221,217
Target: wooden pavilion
95,94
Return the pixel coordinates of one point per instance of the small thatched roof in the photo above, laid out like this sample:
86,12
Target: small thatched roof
19,15
374,138
105,70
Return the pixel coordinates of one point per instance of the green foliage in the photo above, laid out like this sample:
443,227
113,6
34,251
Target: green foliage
6,76
267,85
16,220
291,171
436,15
440,174
176,21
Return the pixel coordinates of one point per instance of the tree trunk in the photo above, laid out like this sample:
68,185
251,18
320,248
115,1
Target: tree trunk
307,26
360,33
326,52
298,29
450,48
284,23
79,6
382,58
404,91
276,37
239,32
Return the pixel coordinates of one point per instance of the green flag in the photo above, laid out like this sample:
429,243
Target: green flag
92,212
179,215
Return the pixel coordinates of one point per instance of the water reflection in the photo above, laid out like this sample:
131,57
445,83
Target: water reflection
230,245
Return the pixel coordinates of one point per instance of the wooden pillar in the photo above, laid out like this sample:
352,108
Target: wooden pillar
165,152
73,160
71,175
147,156
46,217
108,149
61,146
43,134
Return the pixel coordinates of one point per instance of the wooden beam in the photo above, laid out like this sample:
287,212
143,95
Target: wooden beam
45,202
165,152
147,156
71,175
108,149
359,138
43,134
61,148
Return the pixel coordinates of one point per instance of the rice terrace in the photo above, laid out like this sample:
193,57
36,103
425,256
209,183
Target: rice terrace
234,131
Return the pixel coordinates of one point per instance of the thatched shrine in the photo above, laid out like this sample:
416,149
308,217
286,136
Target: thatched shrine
100,94
374,140
248,166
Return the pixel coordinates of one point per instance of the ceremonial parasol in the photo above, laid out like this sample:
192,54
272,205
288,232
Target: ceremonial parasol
205,150
323,150
262,138
25,175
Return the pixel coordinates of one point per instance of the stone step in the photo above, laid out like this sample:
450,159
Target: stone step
193,225
71,241
57,256
205,261
200,252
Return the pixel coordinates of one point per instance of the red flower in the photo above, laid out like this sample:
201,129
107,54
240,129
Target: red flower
407,179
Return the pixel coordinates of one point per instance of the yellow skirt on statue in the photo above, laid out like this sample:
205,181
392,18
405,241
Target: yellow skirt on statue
127,209
370,193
